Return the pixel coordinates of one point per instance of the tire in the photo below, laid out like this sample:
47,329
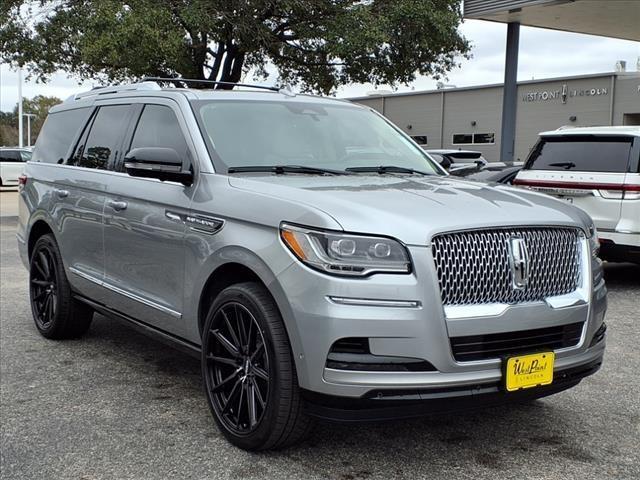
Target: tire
56,313
258,375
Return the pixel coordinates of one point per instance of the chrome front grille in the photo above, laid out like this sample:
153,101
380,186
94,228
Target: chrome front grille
474,267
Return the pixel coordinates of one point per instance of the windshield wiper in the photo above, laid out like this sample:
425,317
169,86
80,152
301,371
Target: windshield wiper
281,169
566,165
382,169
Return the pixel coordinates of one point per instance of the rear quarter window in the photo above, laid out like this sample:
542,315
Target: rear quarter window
57,134
582,153
9,156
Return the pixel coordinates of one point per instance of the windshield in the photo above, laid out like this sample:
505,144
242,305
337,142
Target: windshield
249,133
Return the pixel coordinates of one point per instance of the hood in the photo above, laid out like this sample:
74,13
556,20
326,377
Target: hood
413,208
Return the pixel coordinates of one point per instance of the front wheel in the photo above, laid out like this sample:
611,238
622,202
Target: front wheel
248,371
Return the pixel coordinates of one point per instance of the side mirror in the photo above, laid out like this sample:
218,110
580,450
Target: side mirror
154,162
445,163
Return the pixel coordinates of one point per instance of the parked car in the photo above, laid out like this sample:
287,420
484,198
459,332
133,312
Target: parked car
452,160
598,170
12,164
490,174
318,262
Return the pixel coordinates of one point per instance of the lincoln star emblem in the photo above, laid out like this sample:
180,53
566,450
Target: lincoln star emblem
519,262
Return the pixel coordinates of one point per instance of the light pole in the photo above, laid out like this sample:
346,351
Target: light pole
29,115
20,142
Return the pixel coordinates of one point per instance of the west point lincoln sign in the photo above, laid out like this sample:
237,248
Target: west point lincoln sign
563,94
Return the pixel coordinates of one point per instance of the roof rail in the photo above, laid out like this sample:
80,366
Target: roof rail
143,85
151,83
178,80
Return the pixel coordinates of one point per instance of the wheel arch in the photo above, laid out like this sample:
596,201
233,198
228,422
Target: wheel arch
222,277
39,228
232,272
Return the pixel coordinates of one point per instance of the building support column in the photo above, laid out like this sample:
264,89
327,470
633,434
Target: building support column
441,119
510,94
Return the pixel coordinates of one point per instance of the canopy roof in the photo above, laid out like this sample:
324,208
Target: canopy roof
616,19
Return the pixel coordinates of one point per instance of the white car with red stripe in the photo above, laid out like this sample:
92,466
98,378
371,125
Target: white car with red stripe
598,170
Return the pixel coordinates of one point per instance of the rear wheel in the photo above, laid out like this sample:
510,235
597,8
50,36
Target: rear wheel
248,370
56,313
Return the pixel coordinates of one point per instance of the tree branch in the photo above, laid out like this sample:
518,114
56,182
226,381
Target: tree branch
215,68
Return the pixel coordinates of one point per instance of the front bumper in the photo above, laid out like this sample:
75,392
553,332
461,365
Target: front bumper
416,329
380,405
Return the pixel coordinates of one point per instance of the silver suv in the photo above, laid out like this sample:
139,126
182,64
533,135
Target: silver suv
312,255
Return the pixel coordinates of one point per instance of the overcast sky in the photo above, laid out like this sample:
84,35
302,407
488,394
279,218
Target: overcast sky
543,54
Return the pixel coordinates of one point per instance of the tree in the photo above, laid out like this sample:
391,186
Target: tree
38,105
314,44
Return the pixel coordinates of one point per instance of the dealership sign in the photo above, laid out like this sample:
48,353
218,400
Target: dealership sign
563,94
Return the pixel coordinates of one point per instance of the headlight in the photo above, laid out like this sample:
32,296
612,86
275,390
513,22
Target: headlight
345,254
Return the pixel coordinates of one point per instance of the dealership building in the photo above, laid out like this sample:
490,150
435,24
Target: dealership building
471,117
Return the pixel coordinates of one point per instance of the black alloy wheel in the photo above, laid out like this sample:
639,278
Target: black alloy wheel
56,313
44,287
238,368
248,371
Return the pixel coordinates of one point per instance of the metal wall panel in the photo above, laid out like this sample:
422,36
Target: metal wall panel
550,105
542,105
421,112
482,106
376,103
627,99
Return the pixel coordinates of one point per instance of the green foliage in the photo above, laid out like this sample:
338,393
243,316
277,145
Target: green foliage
39,106
315,44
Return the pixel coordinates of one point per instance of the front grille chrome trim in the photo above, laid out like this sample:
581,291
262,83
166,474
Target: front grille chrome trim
473,267
580,297
573,299
470,311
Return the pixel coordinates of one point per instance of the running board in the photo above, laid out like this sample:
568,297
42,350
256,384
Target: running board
144,328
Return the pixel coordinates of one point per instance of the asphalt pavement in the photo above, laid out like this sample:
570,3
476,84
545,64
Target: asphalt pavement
8,201
118,405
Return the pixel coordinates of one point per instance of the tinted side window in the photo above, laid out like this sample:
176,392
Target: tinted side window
26,156
158,127
104,138
420,139
9,156
581,154
462,138
57,133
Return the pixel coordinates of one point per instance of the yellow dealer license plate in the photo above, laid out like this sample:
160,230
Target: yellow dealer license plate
526,371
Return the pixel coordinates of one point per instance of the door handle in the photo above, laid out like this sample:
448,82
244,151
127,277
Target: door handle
117,206
62,193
